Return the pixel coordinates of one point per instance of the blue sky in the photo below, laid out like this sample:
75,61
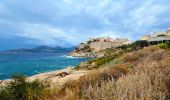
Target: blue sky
28,23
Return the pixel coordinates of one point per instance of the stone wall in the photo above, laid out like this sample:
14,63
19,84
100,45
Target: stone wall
104,45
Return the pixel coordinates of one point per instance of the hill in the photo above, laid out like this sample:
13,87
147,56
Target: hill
40,49
136,74
94,47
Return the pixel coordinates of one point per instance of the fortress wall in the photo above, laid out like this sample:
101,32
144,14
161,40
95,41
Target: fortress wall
104,45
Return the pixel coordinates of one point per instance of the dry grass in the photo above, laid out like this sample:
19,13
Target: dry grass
145,75
149,81
74,90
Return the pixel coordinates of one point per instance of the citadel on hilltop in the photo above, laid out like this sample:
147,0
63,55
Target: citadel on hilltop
157,37
94,46
103,43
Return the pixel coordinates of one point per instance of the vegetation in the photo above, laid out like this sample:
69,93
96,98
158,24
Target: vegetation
165,45
123,46
135,45
121,75
144,75
100,61
21,89
109,55
162,35
113,53
139,44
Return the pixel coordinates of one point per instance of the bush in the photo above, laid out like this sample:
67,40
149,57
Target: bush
21,89
123,47
161,35
139,44
164,45
135,45
101,61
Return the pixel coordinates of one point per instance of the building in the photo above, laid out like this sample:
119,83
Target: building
157,36
105,43
81,46
146,37
168,31
102,43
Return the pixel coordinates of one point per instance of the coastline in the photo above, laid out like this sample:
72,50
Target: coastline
56,77
66,63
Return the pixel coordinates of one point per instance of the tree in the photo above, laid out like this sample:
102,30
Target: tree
21,89
140,44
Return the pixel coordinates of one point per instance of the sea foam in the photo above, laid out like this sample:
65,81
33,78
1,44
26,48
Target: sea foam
66,56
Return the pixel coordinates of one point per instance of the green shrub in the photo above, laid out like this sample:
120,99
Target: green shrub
135,45
102,61
77,67
113,62
161,35
123,47
164,45
21,89
139,44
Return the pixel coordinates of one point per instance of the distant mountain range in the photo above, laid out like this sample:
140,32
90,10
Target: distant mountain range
40,49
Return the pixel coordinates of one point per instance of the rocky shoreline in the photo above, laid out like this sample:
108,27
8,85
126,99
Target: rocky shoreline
92,54
56,78
82,54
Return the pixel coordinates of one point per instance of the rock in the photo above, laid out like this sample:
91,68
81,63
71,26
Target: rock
84,65
1,82
70,67
83,54
91,66
62,74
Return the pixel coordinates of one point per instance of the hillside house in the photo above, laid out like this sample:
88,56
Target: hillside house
157,37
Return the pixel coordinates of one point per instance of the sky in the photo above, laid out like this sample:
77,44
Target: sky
29,23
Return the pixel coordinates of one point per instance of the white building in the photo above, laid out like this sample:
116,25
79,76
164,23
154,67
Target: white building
158,36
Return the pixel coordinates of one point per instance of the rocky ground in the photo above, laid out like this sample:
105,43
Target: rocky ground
56,78
83,54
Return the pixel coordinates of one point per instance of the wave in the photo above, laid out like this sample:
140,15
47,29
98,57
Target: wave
1,73
66,56
37,72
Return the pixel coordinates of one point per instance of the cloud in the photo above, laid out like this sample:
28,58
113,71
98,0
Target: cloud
44,33
72,21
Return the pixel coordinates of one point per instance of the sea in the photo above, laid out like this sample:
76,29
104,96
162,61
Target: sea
29,64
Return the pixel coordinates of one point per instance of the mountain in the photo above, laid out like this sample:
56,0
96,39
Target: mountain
40,49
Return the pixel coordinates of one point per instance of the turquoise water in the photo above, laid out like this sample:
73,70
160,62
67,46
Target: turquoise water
31,64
